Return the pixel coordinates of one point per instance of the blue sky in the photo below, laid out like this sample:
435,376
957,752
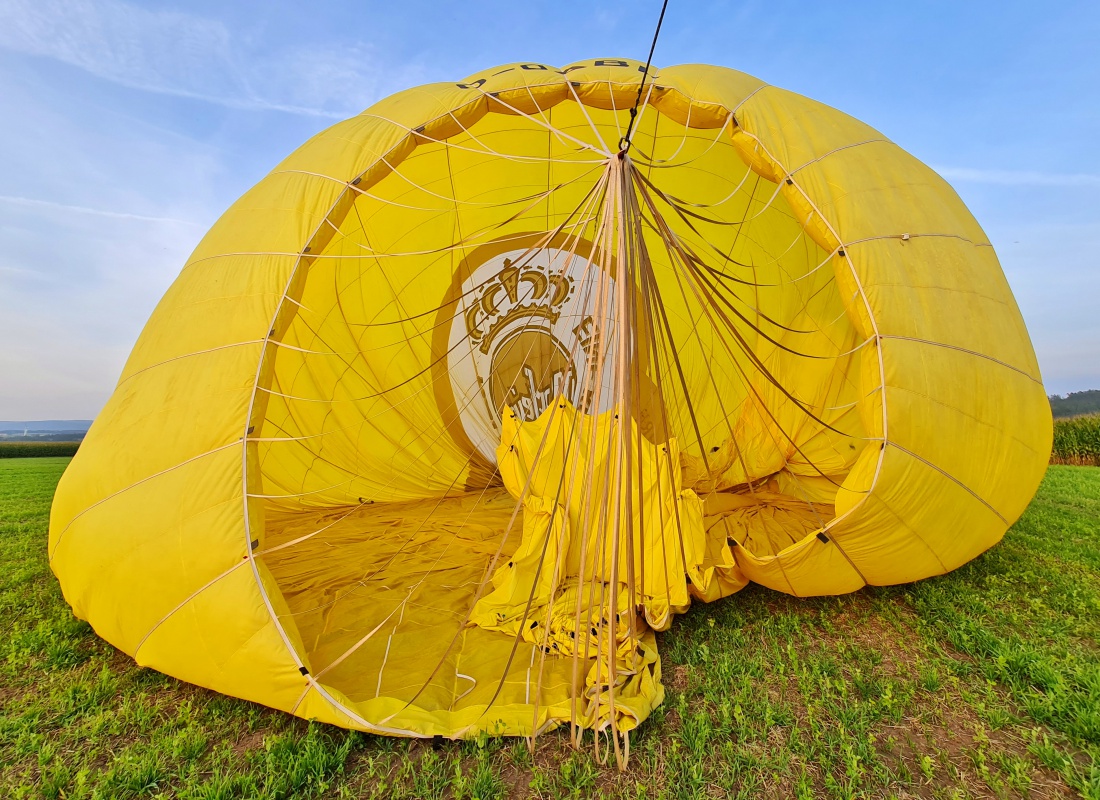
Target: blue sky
129,127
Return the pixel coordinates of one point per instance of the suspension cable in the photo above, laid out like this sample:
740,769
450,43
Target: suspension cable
624,142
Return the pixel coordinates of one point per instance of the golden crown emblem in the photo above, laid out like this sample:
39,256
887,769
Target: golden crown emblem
505,298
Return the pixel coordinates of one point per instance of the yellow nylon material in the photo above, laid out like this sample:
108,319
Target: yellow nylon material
307,490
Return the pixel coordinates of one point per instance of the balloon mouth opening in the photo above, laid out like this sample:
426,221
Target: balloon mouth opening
500,271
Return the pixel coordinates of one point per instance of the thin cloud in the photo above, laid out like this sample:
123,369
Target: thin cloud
99,212
184,55
31,274
1017,178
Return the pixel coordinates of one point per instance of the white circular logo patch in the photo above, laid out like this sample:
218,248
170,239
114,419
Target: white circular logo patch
525,328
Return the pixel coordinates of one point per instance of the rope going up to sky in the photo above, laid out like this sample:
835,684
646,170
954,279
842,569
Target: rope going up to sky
624,142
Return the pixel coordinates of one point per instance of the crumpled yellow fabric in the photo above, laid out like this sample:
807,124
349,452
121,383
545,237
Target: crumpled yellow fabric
586,581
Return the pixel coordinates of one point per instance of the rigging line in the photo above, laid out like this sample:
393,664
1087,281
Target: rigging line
624,342
700,294
606,225
557,131
625,219
684,213
586,495
692,264
530,253
462,243
453,204
458,411
602,315
641,113
654,302
775,262
396,295
606,237
722,276
645,74
490,569
524,259
756,361
361,582
689,135
477,236
651,297
684,203
364,193
555,584
414,393
488,151
588,118
557,578
526,256
426,370
560,134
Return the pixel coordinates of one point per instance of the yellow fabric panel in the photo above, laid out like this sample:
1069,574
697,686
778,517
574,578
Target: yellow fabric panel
412,108
409,665
237,653
797,131
948,291
712,86
806,569
278,216
525,88
161,561
777,543
877,189
150,408
240,291
990,432
897,534
347,149
538,459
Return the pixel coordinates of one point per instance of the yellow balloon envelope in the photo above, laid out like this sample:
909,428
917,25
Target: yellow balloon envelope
471,395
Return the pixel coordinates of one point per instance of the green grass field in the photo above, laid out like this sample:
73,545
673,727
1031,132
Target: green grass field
983,683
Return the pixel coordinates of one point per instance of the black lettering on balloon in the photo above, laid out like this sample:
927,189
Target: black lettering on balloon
474,85
614,62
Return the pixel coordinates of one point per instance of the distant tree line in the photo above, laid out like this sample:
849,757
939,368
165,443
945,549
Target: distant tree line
63,436
1075,403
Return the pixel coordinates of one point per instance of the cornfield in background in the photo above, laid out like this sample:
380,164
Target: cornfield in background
1077,440
37,449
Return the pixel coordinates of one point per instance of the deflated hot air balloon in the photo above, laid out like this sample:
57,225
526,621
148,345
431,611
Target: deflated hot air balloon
475,391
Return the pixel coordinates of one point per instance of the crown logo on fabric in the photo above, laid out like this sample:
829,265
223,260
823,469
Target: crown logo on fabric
515,293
